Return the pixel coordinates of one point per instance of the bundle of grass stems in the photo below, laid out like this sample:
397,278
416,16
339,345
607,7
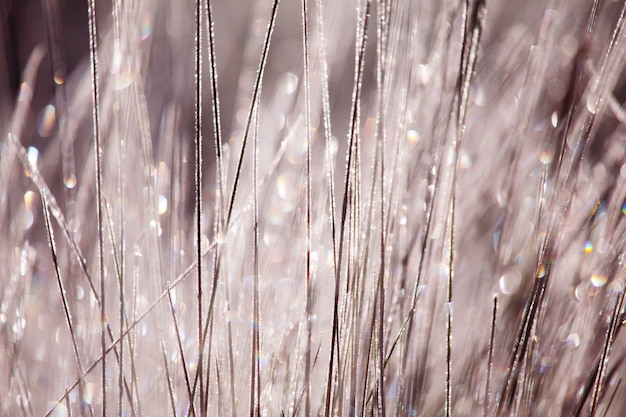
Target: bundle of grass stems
312,208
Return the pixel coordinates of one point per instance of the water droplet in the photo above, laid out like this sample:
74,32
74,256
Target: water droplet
25,91
424,72
546,156
59,78
554,119
80,292
163,172
598,280
421,290
496,239
333,146
220,238
412,136
285,187
47,120
573,339
541,271
58,337
281,119
592,104
33,156
23,263
70,181
287,83
431,190
162,204
22,401
579,292
510,281
465,162
147,23
155,225
28,219
29,198
444,271
124,78
18,328
314,258
122,69
498,232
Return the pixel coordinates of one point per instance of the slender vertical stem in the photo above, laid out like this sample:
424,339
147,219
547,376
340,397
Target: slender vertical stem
492,339
198,192
307,127
255,380
93,48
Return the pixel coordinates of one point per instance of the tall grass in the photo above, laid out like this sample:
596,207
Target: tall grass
329,208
